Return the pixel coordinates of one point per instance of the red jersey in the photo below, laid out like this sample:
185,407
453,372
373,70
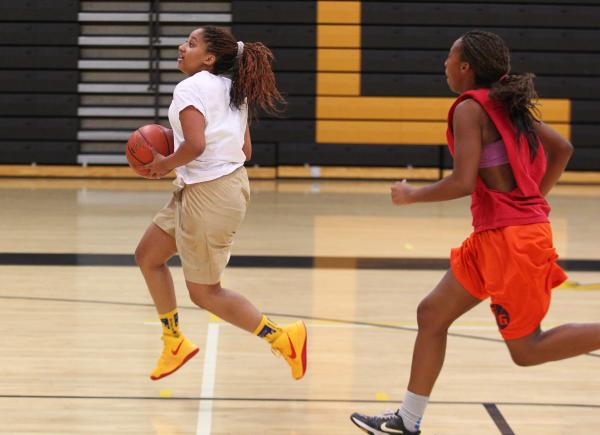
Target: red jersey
525,204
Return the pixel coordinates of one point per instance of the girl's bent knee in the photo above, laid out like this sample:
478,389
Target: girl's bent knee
523,359
429,318
144,260
140,257
202,295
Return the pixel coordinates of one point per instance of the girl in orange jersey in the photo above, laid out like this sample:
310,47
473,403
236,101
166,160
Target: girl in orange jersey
499,151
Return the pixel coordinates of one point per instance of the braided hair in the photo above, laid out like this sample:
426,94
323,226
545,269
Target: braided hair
253,80
489,58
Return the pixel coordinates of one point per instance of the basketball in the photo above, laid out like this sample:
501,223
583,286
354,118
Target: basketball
140,144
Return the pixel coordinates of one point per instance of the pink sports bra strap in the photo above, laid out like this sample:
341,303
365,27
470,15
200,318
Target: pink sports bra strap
493,154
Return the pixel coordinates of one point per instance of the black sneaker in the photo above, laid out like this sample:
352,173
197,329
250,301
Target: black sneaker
385,424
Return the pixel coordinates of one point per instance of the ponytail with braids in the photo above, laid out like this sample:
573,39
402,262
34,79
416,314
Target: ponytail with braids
518,95
489,57
249,67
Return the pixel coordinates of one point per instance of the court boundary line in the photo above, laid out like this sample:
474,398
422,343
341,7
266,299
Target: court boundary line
296,400
266,261
291,316
204,424
498,419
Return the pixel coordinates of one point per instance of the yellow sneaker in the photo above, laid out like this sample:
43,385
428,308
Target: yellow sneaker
176,352
291,345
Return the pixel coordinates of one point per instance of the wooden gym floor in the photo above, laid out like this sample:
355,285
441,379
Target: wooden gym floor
80,334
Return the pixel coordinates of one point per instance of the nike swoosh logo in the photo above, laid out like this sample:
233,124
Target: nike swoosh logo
293,354
174,352
389,429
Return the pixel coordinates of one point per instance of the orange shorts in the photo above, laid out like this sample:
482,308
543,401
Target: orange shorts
516,267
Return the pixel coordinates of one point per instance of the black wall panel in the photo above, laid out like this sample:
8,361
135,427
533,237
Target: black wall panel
38,104
295,59
292,153
586,135
411,85
585,159
39,10
29,34
435,85
432,61
297,83
38,81
586,111
281,12
283,130
41,152
533,2
263,154
39,128
297,108
278,35
568,87
480,14
519,39
406,61
39,57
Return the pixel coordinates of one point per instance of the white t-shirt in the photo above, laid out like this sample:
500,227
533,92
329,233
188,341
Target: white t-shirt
224,130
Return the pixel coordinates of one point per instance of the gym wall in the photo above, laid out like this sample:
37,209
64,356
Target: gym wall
38,81
364,79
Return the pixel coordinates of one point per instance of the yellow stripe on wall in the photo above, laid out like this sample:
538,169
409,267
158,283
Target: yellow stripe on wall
563,129
381,132
338,36
338,12
391,108
555,110
364,173
345,36
338,84
414,108
344,116
392,132
338,60
103,172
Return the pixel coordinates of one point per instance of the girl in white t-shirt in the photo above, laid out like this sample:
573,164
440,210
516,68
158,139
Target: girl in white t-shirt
227,82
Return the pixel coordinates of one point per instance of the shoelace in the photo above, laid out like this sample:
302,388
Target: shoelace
388,414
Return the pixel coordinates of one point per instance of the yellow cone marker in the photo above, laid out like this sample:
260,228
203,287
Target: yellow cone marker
165,393
382,396
574,285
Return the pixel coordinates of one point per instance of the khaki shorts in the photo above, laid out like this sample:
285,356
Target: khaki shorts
203,219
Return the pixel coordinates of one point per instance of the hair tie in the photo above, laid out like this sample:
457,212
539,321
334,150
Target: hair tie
504,77
240,45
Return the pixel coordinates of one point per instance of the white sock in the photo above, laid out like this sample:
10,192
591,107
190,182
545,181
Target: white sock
412,410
